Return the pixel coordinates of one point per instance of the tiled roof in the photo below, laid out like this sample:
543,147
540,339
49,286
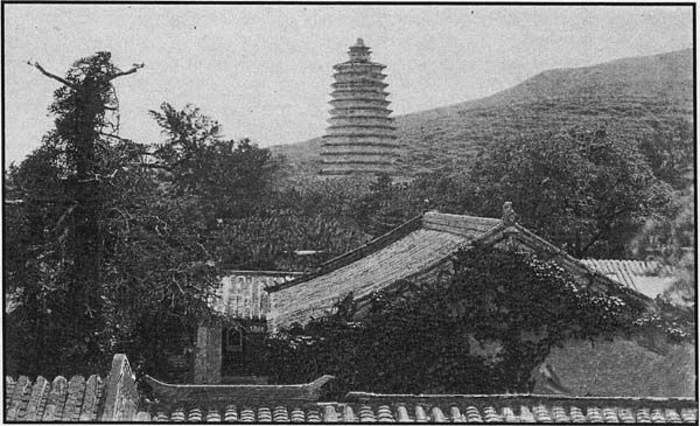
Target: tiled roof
402,253
649,278
53,401
78,399
116,399
242,293
406,252
362,407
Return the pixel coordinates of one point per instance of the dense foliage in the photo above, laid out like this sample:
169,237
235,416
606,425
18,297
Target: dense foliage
589,192
586,191
667,148
119,248
669,239
482,330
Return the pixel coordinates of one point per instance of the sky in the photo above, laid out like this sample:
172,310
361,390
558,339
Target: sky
265,71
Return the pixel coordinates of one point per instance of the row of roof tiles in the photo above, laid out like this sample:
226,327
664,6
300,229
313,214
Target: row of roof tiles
243,293
403,413
647,277
116,399
56,400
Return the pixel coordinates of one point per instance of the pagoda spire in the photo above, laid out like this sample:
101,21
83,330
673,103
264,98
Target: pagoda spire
361,137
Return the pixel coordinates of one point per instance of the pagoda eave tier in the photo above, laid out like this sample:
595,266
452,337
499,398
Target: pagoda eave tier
350,74
364,143
350,65
359,120
378,153
367,92
379,129
356,161
349,96
358,103
365,110
361,134
359,84
357,170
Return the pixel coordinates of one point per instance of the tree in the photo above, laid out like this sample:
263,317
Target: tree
109,261
268,239
229,186
587,191
83,106
228,177
669,239
389,204
63,188
669,151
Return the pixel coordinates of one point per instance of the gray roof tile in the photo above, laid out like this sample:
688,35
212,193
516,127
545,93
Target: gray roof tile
437,412
647,277
408,251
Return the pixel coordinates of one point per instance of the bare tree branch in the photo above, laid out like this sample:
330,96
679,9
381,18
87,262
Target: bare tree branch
97,177
50,75
112,135
117,117
135,68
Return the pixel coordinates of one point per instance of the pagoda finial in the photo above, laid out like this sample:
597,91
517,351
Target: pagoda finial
359,52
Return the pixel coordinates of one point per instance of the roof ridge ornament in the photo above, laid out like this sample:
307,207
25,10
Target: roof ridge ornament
509,215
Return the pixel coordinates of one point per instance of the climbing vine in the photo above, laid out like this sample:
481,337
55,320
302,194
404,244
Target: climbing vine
484,329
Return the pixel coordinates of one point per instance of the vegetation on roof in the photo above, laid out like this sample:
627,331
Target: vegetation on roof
482,329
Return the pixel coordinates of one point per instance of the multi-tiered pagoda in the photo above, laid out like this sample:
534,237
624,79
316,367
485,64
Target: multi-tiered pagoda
361,138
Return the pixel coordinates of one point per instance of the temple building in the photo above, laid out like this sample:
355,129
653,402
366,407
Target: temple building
262,301
361,137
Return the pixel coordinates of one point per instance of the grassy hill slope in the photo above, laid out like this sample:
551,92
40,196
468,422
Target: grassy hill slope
633,96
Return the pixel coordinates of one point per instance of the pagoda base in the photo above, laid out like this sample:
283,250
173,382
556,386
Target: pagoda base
351,169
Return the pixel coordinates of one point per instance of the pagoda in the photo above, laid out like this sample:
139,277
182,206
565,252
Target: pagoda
361,137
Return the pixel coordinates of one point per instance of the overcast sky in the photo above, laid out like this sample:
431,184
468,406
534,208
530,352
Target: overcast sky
265,71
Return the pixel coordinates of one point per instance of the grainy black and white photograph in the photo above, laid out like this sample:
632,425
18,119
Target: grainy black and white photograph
301,213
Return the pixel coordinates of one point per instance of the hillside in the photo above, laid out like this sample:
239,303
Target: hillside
630,96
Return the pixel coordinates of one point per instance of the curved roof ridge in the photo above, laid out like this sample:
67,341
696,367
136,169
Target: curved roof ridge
356,254
377,397
434,220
